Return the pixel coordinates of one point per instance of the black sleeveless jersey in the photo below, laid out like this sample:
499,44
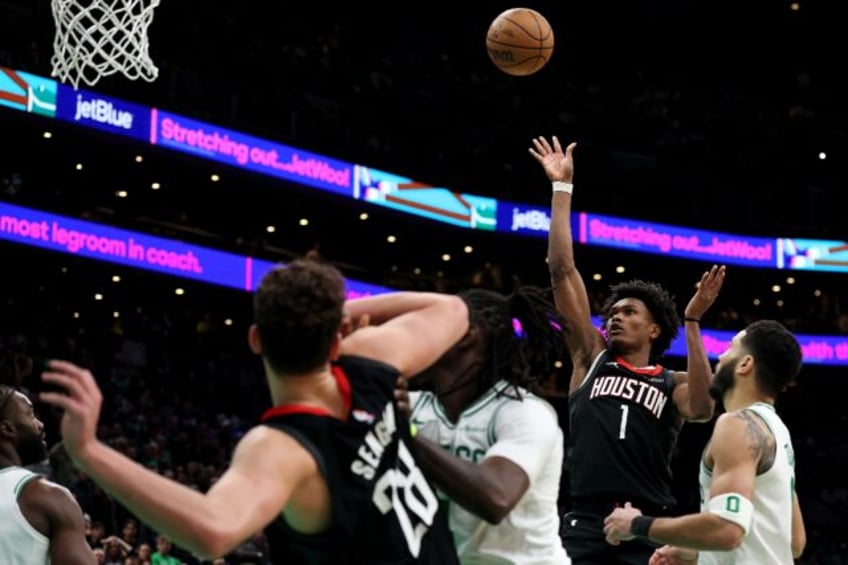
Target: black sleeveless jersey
623,430
383,509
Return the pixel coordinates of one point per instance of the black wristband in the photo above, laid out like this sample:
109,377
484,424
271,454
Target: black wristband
640,526
691,319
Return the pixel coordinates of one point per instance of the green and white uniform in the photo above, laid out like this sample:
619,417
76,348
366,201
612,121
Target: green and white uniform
769,538
20,543
527,433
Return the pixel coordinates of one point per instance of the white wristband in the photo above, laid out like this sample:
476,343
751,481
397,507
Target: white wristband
733,507
560,186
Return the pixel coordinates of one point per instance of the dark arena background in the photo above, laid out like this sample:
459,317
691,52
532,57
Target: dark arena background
386,142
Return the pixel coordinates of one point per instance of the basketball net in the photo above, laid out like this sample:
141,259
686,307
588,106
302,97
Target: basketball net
97,38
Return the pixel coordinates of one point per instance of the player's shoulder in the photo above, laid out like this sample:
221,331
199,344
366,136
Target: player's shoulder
733,427
44,494
527,405
731,419
267,435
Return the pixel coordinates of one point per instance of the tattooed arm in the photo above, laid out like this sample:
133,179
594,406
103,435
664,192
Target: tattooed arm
739,443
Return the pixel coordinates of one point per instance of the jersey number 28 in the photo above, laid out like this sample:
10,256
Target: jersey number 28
408,493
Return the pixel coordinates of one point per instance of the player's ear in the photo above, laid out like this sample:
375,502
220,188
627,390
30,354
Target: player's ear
253,339
746,364
7,429
336,346
655,332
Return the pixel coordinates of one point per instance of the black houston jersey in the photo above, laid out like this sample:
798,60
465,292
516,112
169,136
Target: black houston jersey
383,509
623,428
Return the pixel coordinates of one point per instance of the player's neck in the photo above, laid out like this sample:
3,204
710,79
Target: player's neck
318,388
9,460
739,399
457,401
636,359
460,393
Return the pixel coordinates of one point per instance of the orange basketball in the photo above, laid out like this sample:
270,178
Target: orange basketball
520,41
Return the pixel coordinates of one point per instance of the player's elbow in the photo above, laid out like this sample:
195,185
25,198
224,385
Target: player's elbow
700,411
212,543
729,538
799,542
497,508
213,550
494,515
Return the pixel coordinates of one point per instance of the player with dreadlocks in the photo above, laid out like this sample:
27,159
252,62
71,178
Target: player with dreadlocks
495,449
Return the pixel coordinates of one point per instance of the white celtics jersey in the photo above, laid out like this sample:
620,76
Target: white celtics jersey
769,539
20,543
527,433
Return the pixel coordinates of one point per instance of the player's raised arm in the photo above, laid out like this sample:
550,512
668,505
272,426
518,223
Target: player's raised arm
266,468
408,330
692,393
583,339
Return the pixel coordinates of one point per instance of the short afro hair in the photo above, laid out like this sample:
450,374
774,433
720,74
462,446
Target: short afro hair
659,303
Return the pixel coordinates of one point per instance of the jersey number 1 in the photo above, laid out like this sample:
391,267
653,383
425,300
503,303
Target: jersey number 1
622,429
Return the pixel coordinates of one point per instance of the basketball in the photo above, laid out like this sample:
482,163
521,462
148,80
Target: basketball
520,41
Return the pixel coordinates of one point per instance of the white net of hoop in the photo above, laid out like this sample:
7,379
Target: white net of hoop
97,38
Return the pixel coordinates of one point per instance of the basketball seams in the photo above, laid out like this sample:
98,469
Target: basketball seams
523,28
520,41
514,46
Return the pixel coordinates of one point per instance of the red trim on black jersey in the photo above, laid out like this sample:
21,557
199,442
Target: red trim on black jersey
287,409
344,387
651,371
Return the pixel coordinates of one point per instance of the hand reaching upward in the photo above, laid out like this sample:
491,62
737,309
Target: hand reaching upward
558,165
708,289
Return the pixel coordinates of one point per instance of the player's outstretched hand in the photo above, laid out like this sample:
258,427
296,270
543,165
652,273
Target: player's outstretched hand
80,400
558,164
708,289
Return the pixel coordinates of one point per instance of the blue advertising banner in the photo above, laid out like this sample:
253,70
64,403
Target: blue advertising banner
30,93
524,219
78,237
252,153
96,241
104,113
649,237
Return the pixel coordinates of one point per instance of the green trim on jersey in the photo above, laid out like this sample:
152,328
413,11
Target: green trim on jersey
22,483
486,399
